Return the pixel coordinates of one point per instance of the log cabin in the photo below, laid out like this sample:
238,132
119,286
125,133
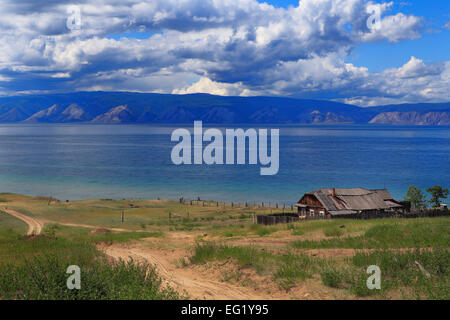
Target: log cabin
333,202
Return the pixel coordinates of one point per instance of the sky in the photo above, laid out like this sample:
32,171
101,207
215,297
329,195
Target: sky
360,52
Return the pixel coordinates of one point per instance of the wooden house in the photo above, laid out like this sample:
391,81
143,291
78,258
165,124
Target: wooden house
327,203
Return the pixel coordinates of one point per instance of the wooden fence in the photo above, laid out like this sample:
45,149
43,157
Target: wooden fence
293,217
408,215
277,218
251,204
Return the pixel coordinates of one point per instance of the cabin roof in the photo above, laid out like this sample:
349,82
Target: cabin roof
354,199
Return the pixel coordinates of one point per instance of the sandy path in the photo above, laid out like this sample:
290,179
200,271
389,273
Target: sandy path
34,225
194,283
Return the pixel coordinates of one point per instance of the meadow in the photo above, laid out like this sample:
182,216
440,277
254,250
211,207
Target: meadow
322,259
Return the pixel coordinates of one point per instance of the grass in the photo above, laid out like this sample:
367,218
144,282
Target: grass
261,230
9,223
140,214
36,269
401,269
390,234
333,232
399,273
84,235
286,269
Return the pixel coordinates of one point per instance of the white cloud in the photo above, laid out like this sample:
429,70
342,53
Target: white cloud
205,85
223,47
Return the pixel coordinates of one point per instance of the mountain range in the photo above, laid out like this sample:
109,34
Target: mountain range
130,107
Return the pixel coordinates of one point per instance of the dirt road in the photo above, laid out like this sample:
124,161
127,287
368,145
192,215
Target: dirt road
195,284
34,225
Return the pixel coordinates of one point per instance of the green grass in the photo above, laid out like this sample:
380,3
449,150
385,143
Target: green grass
293,268
9,223
399,273
286,269
333,232
400,270
261,230
84,235
36,269
333,277
395,233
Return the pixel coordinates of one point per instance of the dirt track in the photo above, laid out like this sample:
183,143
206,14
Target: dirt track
34,225
197,287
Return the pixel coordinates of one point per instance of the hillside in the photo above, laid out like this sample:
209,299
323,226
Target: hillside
127,107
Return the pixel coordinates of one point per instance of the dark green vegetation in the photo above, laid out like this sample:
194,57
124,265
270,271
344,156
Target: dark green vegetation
415,197
35,268
418,200
437,193
166,108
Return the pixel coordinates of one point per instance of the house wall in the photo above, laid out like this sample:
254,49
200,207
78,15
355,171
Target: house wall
313,207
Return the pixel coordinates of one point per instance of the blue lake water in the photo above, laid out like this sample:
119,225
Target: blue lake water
133,161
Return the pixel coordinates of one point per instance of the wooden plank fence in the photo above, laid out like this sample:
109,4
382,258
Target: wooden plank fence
427,213
293,217
277,218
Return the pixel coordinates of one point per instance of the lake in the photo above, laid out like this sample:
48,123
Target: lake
133,161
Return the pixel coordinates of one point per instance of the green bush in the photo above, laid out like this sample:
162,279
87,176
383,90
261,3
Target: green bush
333,277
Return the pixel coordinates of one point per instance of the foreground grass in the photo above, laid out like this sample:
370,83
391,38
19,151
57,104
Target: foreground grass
427,232
419,274
9,223
35,268
286,269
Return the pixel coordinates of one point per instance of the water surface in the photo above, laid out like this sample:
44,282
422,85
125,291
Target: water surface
133,161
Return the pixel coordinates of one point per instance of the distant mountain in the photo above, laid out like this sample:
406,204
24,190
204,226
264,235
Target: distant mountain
74,113
60,114
47,115
120,114
16,114
413,118
129,107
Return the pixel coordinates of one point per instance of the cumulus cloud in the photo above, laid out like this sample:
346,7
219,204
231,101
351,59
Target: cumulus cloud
223,47
205,85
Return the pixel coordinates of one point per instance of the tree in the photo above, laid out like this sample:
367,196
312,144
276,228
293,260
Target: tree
415,196
437,193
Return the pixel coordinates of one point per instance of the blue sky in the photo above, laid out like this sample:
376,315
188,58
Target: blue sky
432,47
322,49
